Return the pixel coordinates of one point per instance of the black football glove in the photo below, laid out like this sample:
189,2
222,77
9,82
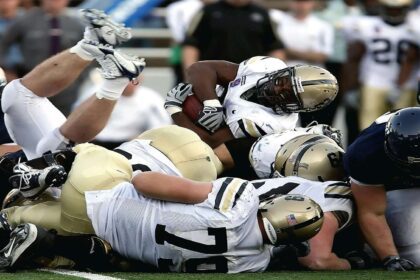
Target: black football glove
395,263
359,259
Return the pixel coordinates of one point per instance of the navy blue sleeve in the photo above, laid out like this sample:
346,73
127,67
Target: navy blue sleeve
4,135
365,159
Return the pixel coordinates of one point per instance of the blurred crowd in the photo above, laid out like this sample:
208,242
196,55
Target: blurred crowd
371,46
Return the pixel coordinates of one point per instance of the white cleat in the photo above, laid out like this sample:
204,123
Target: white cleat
103,29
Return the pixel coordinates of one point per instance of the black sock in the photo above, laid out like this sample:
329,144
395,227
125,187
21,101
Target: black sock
85,250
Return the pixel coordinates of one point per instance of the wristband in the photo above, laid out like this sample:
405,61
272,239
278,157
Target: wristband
173,110
212,103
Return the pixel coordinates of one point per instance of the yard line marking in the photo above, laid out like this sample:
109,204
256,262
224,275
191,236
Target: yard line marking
86,275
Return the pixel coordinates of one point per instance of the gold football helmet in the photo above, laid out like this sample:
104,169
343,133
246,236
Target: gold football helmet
313,157
301,88
290,218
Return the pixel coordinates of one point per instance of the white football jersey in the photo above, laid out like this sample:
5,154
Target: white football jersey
144,157
221,234
246,118
385,46
332,196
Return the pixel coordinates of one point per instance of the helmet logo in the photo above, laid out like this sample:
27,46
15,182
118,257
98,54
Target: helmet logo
291,219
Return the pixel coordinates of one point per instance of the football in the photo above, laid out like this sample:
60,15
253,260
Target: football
192,107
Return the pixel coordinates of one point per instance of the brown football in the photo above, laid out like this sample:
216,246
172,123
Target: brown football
192,107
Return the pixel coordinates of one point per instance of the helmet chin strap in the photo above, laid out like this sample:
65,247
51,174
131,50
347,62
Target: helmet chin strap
270,231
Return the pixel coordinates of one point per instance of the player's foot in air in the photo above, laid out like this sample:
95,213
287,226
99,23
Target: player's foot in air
103,29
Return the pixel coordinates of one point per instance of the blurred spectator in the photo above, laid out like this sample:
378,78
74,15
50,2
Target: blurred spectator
377,46
9,11
137,110
308,40
178,18
232,30
336,12
41,33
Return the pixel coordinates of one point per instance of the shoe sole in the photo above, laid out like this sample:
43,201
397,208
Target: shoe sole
98,19
29,240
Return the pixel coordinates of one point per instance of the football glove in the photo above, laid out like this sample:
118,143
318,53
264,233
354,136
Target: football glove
211,116
323,129
176,97
395,263
358,259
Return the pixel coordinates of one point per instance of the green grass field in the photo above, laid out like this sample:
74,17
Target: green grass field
307,275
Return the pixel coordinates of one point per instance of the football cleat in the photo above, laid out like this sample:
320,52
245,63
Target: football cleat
5,230
13,198
31,182
103,29
116,64
26,242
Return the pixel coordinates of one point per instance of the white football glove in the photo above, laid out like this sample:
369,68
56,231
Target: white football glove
176,97
211,116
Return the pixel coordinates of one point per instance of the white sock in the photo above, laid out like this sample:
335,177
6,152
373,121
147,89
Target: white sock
81,52
53,141
112,89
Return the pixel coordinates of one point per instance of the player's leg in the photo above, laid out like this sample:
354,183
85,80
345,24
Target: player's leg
29,116
193,158
94,168
404,220
373,103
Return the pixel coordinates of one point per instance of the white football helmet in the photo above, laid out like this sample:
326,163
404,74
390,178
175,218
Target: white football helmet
3,80
290,218
301,88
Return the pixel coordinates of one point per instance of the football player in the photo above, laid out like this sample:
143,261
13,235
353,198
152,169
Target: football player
35,124
186,226
335,199
384,167
377,46
260,96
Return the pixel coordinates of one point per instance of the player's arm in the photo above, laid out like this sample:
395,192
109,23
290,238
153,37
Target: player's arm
219,137
310,56
205,75
321,256
371,206
408,64
350,71
171,188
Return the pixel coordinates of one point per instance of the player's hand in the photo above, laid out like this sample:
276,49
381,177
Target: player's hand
358,259
333,133
176,97
395,263
211,116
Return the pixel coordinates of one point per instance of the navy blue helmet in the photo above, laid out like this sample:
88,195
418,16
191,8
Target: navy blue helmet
402,139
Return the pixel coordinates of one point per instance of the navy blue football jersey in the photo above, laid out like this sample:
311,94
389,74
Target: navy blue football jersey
4,135
366,161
